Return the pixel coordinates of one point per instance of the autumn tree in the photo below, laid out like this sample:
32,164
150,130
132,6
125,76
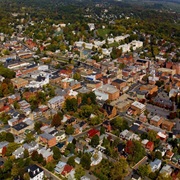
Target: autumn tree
56,120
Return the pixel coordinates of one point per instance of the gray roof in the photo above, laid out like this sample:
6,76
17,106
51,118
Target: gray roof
46,136
3,144
56,99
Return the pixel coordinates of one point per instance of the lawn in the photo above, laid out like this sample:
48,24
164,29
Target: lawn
103,32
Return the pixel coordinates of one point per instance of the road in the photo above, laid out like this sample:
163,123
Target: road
49,174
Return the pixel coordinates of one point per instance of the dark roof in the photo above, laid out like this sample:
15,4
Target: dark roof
34,170
82,123
20,126
31,66
1,163
135,128
120,147
119,81
108,108
40,78
141,60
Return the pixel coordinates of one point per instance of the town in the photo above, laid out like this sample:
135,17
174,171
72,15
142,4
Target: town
88,101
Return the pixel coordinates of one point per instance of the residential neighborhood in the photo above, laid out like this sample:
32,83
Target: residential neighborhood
93,107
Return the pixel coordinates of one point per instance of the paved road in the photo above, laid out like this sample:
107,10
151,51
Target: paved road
49,174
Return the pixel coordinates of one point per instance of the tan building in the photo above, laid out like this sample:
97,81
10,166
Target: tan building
167,125
138,107
150,88
156,121
167,71
19,82
119,83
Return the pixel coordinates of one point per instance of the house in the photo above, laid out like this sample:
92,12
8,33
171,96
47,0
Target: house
46,153
66,170
150,146
35,172
109,110
93,132
3,147
59,167
18,153
156,121
107,125
155,165
60,136
169,154
32,146
135,176
56,102
47,139
166,170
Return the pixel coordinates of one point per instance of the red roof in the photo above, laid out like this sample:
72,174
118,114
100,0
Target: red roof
150,145
93,132
67,169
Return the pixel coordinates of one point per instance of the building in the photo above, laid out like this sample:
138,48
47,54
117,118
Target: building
35,172
3,147
150,146
19,82
109,111
46,153
138,107
47,139
167,71
155,165
167,125
107,91
119,83
166,170
156,121
93,132
56,102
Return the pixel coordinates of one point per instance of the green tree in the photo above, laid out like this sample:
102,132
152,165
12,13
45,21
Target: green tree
144,170
29,137
9,137
26,153
15,171
79,172
158,155
71,161
119,169
120,124
37,126
152,135
69,130
71,147
11,148
77,76
102,130
35,156
86,111
71,104
95,141
86,161
56,153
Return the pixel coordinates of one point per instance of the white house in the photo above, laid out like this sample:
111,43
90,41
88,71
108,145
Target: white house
35,172
18,153
56,102
155,165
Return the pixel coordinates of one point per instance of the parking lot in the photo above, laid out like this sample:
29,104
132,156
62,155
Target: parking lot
157,110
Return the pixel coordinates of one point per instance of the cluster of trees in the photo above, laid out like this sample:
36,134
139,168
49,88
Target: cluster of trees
6,136
6,88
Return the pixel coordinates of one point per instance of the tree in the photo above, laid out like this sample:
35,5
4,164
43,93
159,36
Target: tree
102,130
119,169
71,104
71,147
77,76
26,153
35,156
29,137
69,130
71,161
15,171
79,172
40,158
163,176
95,141
135,150
152,135
144,170
120,124
26,176
56,121
86,161
37,126
9,137
11,148
158,155
86,111
56,153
